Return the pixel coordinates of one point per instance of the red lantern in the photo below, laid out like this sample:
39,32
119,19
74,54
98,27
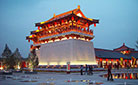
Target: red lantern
55,23
78,21
87,24
126,77
48,25
23,64
72,18
94,24
62,21
106,59
130,76
38,28
129,61
100,59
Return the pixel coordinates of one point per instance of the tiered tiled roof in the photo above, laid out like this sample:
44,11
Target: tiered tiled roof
71,24
115,54
60,16
123,47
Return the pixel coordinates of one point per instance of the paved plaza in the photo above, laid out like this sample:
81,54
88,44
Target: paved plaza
54,78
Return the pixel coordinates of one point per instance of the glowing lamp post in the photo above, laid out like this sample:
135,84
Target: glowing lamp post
1,68
18,67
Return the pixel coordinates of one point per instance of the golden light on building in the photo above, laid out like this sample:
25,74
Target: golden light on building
37,30
42,22
62,35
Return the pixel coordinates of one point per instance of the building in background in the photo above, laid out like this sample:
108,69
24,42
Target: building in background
119,57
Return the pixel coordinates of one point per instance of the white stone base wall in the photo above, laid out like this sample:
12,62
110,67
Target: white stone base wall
77,52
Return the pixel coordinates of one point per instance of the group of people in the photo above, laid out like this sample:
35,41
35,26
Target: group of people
88,70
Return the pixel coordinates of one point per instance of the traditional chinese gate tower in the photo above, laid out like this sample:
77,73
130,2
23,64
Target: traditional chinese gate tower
64,38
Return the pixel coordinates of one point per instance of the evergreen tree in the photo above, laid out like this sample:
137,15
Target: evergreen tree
33,59
17,58
13,61
7,52
17,54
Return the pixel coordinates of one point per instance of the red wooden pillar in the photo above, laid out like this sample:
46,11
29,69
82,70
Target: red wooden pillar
88,27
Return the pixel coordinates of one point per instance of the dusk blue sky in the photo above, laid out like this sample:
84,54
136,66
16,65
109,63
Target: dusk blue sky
118,20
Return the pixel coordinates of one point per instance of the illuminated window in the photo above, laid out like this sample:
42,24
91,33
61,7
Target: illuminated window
50,41
64,38
45,41
82,38
70,37
49,31
57,40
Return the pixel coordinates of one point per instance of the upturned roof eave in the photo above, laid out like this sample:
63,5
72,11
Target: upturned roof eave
62,17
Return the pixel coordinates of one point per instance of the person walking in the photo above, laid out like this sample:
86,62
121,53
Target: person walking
86,70
81,69
89,71
109,77
92,70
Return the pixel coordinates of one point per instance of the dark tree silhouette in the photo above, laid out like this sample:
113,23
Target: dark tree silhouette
11,61
5,56
7,52
17,58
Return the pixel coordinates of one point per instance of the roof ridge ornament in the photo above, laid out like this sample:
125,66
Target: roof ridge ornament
72,12
78,7
54,15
